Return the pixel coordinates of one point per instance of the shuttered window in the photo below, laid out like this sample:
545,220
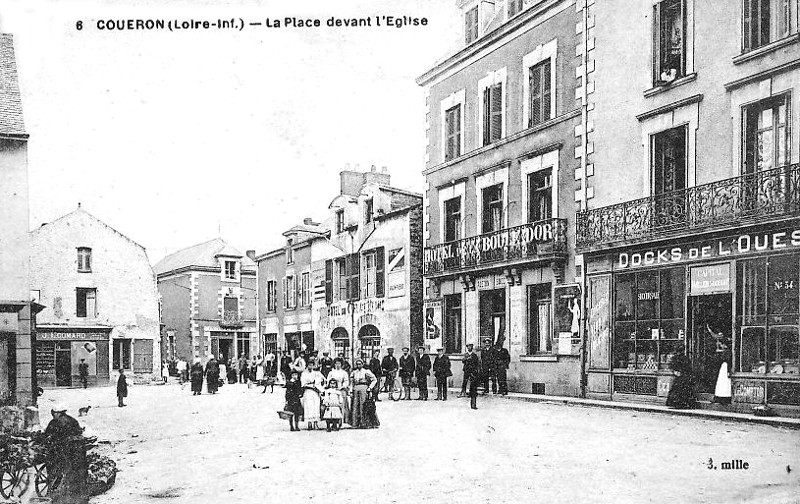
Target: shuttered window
514,7
452,126
766,21
539,80
380,272
492,113
354,271
328,282
471,25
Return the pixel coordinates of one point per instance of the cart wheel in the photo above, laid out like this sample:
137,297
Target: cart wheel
40,482
397,390
13,483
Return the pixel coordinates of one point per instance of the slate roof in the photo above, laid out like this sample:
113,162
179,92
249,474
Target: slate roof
11,122
203,255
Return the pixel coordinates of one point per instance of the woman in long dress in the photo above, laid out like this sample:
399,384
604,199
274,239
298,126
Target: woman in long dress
197,377
343,384
362,381
313,384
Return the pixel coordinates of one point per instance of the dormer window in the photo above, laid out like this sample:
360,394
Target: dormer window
289,252
84,259
471,25
339,221
514,8
368,210
230,270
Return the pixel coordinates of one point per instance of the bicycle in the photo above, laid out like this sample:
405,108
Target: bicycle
397,389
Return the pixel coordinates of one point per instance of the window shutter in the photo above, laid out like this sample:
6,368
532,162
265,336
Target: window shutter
380,272
448,119
354,272
487,112
497,112
546,91
285,292
457,131
534,84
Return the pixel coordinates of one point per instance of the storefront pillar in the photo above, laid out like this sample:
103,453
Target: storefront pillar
471,318
516,321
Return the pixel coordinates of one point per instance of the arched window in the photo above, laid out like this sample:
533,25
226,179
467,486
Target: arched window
341,342
370,338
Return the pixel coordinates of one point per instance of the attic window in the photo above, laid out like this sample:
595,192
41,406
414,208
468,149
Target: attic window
289,252
84,259
368,211
230,270
339,221
471,25
514,8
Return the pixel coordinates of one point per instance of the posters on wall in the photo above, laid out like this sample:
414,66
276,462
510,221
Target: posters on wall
433,324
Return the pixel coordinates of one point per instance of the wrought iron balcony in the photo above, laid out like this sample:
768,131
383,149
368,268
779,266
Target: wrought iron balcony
537,241
230,318
751,198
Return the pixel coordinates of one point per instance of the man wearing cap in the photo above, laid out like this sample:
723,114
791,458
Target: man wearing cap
421,371
441,370
407,367
122,388
83,371
389,368
488,366
472,369
503,361
325,364
465,378
68,456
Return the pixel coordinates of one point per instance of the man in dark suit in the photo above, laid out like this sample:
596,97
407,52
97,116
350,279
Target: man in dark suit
389,368
502,363
472,369
375,367
83,371
407,367
326,364
441,370
489,366
421,371
465,376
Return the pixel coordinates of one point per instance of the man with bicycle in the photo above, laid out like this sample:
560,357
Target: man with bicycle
389,367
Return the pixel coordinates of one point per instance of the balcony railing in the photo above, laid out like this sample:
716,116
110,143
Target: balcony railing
542,240
230,318
754,197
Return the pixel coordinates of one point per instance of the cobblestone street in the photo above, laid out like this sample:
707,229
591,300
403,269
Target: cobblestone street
232,447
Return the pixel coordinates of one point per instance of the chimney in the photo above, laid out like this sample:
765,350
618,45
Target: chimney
251,254
308,221
350,182
374,177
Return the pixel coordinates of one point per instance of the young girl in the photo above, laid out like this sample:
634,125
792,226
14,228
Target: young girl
294,394
333,402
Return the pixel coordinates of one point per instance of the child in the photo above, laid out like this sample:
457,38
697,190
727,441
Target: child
333,406
294,393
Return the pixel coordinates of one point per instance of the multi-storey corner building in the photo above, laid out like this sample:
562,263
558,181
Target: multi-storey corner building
691,240
353,283
17,312
101,302
504,158
208,301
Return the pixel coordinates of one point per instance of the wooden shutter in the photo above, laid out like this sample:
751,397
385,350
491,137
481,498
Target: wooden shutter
285,292
497,112
328,282
487,116
448,126
354,273
380,272
143,356
457,131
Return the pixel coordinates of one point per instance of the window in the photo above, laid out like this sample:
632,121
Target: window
339,221
766,134
514,7
290,292
369,274
341,343
230,310
270,344
272,295
766,21
471,25
669,174
539,84
452,324
649,326
669,41
540,190
289,252
368,210
370,339
122,354
452,127
373,273
540,333
84,259
305,280
769,340
230,270
493,208
452,219
86,303
341,278
492,113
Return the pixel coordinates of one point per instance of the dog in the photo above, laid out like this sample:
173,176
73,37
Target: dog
84,411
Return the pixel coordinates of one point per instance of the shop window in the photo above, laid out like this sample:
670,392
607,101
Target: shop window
305,288
272,293
86,303
492,208
540,333
471,25
539,84
669,41
540,191
649,325
492,113
765,21
766,134
769,318
230,270
452,132
122,354
452,324
84,259
452,219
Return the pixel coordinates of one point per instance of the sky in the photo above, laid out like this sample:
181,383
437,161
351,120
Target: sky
175,138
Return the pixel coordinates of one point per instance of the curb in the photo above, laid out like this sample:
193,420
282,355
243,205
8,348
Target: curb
785,422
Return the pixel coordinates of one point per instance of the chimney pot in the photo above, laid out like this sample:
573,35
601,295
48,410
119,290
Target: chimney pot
308,221
251,254
373,169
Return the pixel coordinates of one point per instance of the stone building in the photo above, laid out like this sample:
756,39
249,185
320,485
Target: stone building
691,236
17,311
208,301
505,127
101,302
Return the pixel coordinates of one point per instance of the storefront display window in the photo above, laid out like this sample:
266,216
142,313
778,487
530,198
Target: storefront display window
769,337
649,319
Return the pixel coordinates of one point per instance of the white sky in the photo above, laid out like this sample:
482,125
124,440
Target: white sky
168,135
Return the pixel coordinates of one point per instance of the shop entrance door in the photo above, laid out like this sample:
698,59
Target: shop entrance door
710,344
225,350
63,365
492,316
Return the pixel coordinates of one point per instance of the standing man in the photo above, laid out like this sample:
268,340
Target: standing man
286,366
489,366
503,361
122,388
242,368
326,364
465,378
375,367
407,367
472,369
389,368
441,370
83,371
422,370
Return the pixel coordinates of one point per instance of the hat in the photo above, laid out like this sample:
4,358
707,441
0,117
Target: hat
487,340
405,348
470,345
58,408
440,349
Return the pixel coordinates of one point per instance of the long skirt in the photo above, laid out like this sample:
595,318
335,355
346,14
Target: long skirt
259,373
357,414
212,383
681,394
197,383
345,407
311,404
722,392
